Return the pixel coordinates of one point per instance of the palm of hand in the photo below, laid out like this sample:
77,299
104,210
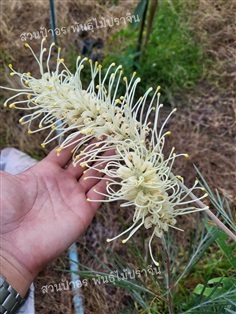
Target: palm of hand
46,209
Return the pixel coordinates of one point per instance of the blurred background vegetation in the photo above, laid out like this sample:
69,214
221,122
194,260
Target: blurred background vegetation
188,48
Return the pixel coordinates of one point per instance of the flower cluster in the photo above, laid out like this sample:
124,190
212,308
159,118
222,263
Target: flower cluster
138,172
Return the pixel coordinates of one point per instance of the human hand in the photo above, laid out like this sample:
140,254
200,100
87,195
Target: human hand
43,211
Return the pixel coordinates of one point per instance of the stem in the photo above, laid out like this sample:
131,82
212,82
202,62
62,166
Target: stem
169,294
209,213
140,37
53,20
150,20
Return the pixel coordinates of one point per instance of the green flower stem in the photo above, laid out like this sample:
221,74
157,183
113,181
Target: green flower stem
168,274
209,213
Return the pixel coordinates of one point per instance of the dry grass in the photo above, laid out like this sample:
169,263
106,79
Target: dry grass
208,135
214,25
205,128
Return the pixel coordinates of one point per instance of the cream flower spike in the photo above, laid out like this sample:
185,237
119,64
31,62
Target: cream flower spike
93,111
145,181
138,173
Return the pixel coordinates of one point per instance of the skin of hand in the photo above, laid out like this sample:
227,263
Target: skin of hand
43,211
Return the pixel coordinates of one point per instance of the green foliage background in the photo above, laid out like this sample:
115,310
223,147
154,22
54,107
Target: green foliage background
172,57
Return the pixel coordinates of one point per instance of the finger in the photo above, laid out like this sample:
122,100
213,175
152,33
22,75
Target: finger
97,193
94,174
81,161
62,156
77,167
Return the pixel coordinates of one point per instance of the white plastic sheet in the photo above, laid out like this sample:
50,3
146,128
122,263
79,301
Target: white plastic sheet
14,161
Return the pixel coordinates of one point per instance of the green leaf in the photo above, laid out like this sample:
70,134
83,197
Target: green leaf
229,311
215,286
225,248
139,10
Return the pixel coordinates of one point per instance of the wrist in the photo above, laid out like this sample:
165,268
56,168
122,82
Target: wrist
15,273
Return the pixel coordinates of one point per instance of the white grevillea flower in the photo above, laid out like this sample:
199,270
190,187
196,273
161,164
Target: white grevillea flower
94,111
138,172
145,181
